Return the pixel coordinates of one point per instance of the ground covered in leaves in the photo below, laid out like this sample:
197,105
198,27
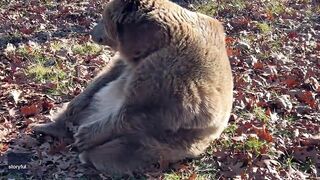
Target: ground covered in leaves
47,58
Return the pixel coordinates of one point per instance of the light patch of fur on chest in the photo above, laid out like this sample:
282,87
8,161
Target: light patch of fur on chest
108,100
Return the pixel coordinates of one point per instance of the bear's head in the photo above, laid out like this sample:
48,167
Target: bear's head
132,27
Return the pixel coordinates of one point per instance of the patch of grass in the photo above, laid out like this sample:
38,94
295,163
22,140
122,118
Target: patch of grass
231,129
276,7
86,49
260,114
291,119
210,8
43,74
50,4
172,176
44,69
254,145
227,143
39,72
200,169
56,46
276,45
38,69
288,162
238,4
33,54
204,175
250,38
205,170
54,75
306,166
264,27
24,51
284,133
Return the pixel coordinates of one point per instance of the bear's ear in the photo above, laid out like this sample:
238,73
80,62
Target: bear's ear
138,40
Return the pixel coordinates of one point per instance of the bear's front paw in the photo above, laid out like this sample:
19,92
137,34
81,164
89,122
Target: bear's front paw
84,138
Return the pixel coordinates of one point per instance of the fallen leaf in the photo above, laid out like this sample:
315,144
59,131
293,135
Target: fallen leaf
263,133
27,31
193,176
318,46
291,82
293,35
31,110
233,52
307,97
269,15
230,40
258,65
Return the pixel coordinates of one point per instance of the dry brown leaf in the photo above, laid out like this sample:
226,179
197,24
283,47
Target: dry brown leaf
27,31
291,82
193,176
258,65
308,98
293,35
233,52
263,133
230,40
31,110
